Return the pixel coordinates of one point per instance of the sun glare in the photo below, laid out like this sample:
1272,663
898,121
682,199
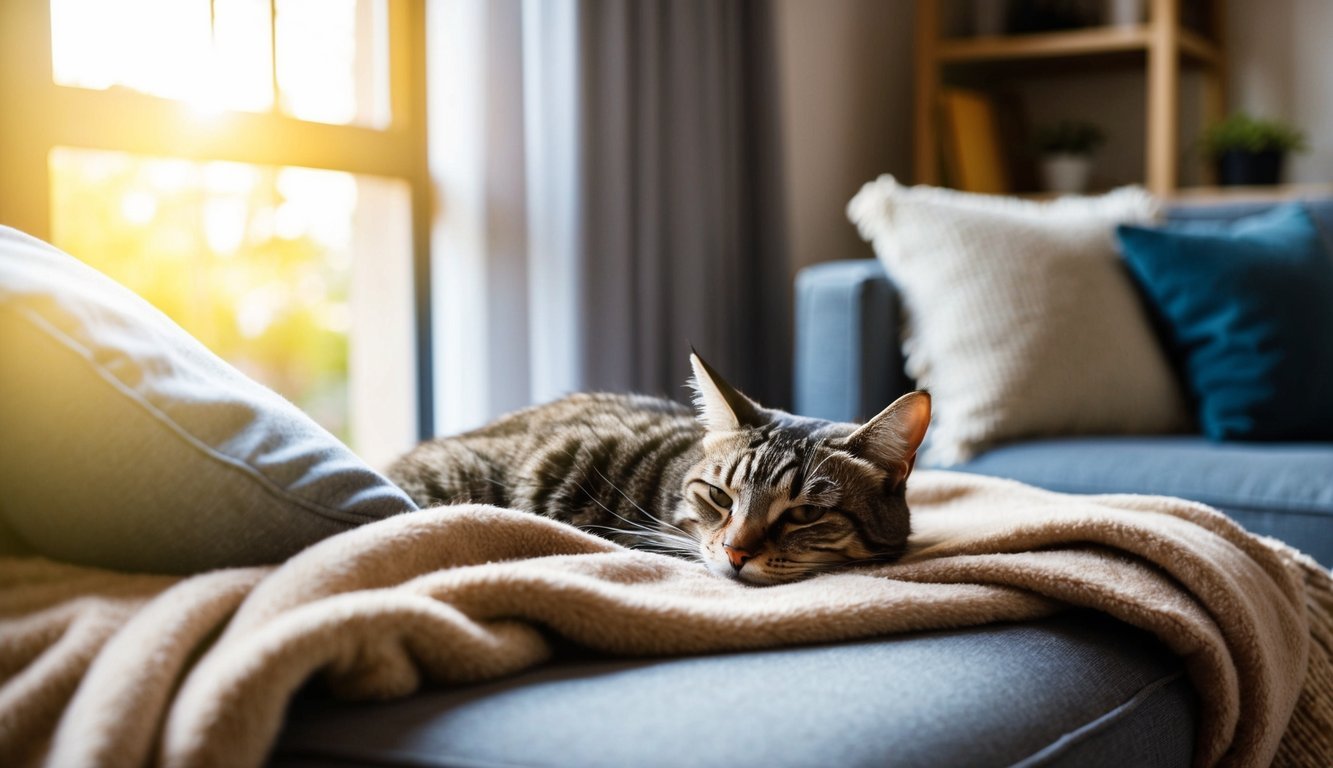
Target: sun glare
331,65
167,48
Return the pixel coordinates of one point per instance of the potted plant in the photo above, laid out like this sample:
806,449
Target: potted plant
1066,150
1248,150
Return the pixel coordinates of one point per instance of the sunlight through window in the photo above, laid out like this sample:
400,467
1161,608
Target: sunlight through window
331,64
301,278
333,61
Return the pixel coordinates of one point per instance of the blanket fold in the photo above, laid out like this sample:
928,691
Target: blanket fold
100,668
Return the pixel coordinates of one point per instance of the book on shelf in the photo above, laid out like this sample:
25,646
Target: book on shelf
974,159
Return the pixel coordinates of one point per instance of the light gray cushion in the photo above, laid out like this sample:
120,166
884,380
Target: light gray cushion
127,444
1275,489
1078,689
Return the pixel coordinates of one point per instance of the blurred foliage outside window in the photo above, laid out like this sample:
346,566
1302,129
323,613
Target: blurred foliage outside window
253,261
269,266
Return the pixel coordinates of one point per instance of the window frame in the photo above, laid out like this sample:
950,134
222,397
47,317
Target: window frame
37,115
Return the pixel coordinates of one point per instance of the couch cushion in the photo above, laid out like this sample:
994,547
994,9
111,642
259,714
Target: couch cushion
1320,209
1075,689
126,444
1282,490
845,369
1247,311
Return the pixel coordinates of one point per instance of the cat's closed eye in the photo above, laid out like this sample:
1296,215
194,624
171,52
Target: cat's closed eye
719,497
805,514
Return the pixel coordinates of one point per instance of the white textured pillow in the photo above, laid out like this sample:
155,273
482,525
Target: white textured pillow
1021,319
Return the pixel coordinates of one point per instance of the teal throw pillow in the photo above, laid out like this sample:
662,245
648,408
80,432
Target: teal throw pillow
1247,307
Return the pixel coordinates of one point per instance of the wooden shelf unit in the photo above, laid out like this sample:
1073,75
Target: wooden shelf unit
1162,40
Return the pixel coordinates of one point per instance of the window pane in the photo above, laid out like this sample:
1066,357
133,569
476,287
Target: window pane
332,55
299,277
241,67
219,58
333,63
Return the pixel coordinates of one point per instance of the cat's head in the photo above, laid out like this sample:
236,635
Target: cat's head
777,497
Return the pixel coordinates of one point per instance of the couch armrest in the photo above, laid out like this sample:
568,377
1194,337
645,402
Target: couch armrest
849,362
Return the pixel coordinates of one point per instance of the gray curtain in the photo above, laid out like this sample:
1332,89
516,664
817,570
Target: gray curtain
680,228
608,196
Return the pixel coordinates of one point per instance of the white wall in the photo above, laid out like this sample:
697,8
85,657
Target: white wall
1282,66
845,74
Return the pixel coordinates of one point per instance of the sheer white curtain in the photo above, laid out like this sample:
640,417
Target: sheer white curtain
608,195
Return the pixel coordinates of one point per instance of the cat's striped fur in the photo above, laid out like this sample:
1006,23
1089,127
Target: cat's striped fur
756,494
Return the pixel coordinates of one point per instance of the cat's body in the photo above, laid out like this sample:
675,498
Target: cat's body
756,494
592,460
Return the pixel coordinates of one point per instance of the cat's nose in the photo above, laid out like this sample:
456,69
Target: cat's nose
738,557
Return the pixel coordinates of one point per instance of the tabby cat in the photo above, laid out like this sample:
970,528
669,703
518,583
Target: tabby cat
756,494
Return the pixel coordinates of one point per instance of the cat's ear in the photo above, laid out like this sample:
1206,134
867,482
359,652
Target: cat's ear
721,407
891,438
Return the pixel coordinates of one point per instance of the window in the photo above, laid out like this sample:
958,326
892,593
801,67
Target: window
255,168
319,60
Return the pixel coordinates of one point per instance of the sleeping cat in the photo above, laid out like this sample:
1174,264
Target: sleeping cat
756,494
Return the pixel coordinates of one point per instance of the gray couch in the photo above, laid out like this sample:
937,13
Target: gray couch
1074,690
1077,689
180,464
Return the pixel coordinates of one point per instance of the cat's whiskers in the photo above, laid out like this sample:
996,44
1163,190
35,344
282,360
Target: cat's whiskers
656,541
636,529
814,475
839,564
635,504
678,541
595,500
640,528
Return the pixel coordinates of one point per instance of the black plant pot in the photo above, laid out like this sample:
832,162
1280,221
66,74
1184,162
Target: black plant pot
1239,168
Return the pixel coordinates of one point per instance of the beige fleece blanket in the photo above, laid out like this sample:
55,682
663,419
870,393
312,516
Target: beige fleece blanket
105,668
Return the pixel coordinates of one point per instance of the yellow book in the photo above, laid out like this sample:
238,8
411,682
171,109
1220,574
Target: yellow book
974,157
